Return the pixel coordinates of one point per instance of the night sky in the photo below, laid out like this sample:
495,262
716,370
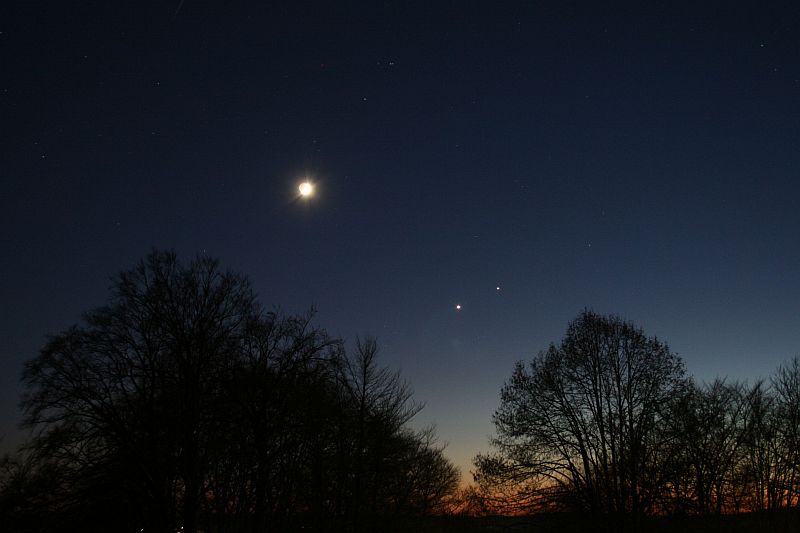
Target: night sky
642,164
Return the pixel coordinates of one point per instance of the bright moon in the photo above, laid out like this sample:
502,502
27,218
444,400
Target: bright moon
458,307
306,189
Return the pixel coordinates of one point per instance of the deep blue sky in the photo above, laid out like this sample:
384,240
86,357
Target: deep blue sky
638,164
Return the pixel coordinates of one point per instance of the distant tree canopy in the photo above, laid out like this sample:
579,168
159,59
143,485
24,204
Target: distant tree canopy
181,403
607,422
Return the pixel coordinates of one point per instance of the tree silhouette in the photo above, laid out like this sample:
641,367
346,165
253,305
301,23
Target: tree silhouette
708,426
181,404
582,424
133,391
392,470
786,387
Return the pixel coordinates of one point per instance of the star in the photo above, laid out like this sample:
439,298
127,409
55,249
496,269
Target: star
458,307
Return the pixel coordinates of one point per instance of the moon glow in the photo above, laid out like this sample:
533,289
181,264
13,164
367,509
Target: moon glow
306,189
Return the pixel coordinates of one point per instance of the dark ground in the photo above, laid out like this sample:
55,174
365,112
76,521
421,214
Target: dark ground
783,522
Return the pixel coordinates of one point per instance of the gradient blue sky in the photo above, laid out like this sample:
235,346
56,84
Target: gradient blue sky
642,164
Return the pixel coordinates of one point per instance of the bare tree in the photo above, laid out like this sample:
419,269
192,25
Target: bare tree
136,383
286,408
583,422
786,389
709,427
182,404
392,469
760,467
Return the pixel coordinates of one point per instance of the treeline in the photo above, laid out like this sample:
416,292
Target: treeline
607,422
181,404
